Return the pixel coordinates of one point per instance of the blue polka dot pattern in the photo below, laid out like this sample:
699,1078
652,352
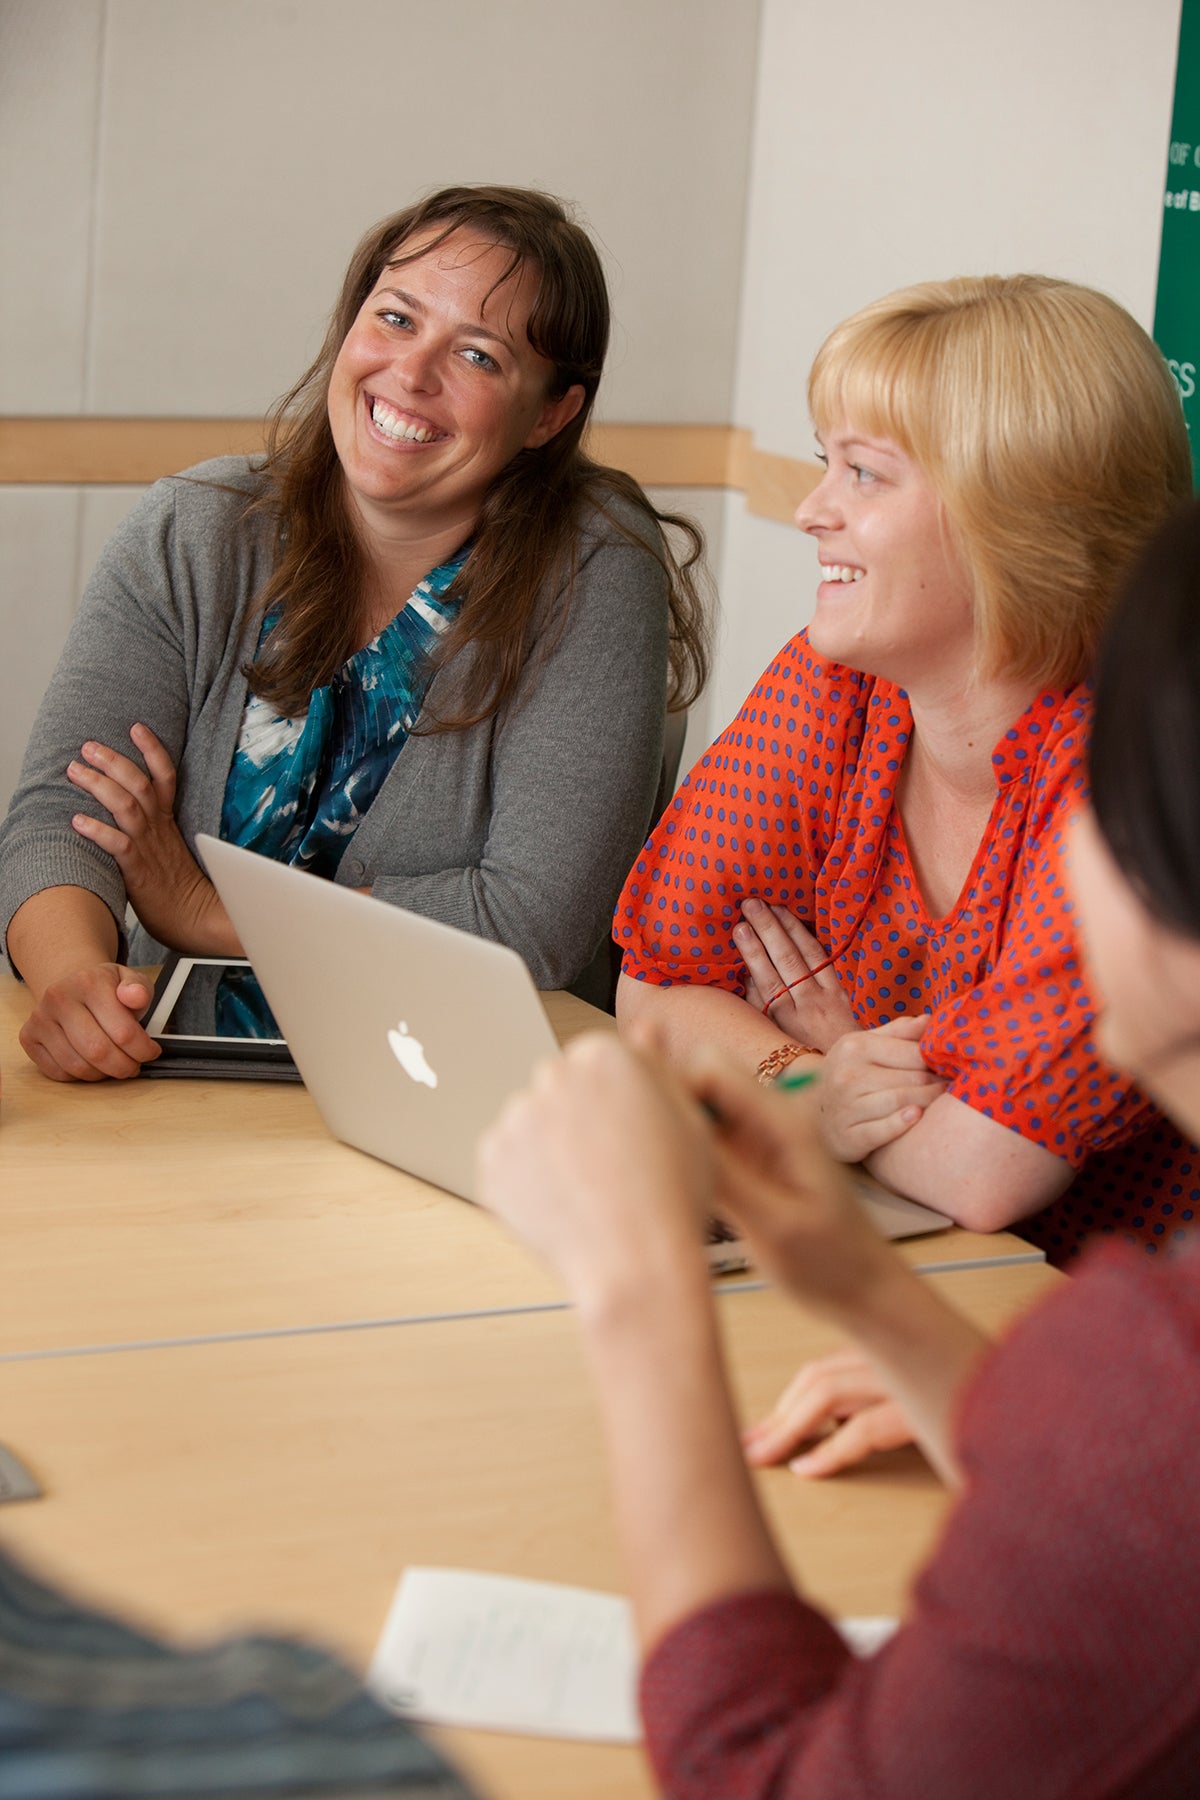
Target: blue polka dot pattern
794,804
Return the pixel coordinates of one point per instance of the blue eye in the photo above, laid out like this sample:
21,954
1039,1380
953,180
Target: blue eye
861,475
480,358
391,317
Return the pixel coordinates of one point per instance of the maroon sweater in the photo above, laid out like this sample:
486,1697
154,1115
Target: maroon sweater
1053,1644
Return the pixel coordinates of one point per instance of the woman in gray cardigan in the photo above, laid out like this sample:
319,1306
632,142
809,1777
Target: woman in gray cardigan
424,561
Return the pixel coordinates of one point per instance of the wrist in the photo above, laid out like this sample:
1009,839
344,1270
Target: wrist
652,1344
206,926
58,933
616,1297
782,1059
880,1303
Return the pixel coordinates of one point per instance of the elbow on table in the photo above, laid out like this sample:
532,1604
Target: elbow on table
979,1173
635,999
994,1200
563,956
992,1206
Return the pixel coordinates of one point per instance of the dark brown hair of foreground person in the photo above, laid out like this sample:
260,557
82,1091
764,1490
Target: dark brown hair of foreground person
1146,792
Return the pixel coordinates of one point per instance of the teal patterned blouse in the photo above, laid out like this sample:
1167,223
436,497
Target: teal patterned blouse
299,788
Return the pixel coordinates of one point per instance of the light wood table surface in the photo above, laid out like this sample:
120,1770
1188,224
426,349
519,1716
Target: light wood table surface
164,1211
159,1210
288,1481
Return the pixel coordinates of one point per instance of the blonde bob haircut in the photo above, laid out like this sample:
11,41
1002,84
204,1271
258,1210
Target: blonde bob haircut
1050,428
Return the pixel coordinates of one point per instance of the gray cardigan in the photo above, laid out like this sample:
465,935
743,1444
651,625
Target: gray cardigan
520,829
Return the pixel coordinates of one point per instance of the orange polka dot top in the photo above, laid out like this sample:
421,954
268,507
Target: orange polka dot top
795,804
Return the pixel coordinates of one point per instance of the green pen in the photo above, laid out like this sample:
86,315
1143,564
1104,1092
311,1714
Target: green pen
801,1078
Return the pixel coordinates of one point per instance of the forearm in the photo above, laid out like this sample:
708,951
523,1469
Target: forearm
200,925
57,931
689,1521
980,1173
686,1018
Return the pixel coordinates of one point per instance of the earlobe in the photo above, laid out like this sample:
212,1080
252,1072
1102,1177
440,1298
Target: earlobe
555,414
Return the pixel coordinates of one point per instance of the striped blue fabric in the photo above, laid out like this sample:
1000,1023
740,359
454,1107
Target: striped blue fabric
91,1709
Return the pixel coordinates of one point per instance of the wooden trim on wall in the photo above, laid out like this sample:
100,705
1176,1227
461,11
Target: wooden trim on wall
116,452
773,485
131,452
665,455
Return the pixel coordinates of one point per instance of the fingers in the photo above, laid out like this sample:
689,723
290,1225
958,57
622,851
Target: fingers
853,1143
904,1025
794,928
120,786
116,784
767,947
601,1152
117,843
872,1106
854,1124
823,1392
766,978
843,1391
787,940
134,993
162,769
881,1048
879,1427
85,1027
896,1045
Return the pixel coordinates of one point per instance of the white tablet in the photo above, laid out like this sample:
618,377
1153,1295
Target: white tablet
211,1018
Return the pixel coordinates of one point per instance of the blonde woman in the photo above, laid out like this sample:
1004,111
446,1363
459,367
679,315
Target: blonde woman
864,872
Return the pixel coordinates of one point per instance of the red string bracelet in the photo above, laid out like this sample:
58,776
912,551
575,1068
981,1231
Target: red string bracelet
807,976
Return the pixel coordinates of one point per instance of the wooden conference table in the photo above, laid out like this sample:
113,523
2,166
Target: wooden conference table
277,1473
153,1211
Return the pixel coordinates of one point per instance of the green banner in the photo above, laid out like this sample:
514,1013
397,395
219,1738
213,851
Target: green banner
1177,313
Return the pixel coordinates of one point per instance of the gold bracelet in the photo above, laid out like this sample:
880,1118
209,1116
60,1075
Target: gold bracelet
778,1060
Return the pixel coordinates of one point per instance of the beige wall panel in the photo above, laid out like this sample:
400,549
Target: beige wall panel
49,68
768,590
38,538
101,512
244,148
946,139
706,507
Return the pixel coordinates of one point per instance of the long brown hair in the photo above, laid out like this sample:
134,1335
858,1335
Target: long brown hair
526,539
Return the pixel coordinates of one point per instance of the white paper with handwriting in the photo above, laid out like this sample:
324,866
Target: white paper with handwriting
503,1654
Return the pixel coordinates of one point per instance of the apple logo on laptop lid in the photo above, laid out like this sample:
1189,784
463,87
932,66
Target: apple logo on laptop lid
409,1052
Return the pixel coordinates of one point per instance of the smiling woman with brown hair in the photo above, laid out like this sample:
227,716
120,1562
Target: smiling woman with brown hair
423,648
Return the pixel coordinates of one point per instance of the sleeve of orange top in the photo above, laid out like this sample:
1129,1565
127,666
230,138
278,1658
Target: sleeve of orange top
1019,1046
753,819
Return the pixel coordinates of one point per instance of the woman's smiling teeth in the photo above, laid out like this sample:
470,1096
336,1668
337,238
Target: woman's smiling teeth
399,427
840,572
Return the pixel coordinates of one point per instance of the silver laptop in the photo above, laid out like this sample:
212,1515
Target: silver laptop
408,1033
